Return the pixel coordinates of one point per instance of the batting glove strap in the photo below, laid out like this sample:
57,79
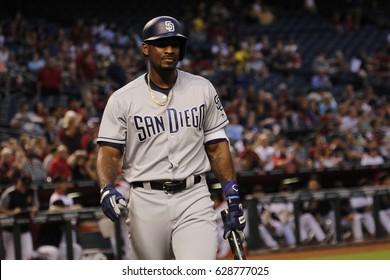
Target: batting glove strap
233,199
235,219
230,188
110,198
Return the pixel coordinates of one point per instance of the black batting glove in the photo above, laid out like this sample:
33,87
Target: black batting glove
110,199
235,219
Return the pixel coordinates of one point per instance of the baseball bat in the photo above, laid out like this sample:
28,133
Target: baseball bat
234,240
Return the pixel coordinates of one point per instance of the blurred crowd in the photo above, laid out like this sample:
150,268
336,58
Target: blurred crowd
286,112
62,75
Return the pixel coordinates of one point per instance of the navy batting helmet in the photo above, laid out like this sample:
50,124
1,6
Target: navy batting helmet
164,27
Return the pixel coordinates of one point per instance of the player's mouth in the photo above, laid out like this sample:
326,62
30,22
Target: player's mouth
168,59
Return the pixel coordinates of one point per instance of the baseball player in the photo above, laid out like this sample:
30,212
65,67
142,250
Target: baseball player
168,127
20,201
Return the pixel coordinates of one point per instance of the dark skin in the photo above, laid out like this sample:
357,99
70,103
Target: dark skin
163,55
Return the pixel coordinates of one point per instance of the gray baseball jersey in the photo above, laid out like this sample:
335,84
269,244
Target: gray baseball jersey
163,142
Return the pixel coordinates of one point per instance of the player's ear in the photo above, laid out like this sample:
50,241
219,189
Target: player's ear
145,49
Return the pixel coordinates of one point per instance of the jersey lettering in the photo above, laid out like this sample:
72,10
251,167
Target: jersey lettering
148,126
188,118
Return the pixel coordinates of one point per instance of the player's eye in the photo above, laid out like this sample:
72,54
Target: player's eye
166,43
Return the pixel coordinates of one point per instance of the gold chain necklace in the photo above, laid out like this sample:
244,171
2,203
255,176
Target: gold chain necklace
154,98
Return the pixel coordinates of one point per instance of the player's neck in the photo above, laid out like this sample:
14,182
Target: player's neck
163,80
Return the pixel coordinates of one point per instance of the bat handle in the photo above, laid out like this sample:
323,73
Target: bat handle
234,240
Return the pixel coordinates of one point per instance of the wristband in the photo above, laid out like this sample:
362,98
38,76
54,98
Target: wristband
105,187
233,199
230,188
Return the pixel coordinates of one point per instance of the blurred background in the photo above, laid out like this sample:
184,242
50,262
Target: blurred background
305,84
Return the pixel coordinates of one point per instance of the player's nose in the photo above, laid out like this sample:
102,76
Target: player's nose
170,49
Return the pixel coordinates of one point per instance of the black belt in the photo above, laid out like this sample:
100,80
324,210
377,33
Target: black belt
168,186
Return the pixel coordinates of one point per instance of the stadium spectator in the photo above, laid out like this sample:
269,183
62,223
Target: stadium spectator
53,243
90,133
33,165
103,48
298,153
321,80
327,103
349,121
197,34
19,201
50,79
234,130
384,205
362,213
9,171
378,64
51,131
265,150
309,226
59,166
71,131
281,219
279,59
266,232
247,159
321,209
86,70
36,63
354,148
372,157
78,164
266,15
117,70
338,65
26,121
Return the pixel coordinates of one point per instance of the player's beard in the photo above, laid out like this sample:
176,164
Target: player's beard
167,66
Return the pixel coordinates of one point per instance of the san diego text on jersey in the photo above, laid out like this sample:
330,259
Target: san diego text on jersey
148,126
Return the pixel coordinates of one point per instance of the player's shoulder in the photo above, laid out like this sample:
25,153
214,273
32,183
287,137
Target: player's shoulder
188,78
130,87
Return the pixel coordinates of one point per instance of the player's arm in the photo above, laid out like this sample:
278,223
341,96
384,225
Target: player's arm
107,164
221,162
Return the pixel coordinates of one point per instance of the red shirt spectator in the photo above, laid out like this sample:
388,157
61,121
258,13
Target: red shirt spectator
59,165
71,131
86,66
91,133
50,78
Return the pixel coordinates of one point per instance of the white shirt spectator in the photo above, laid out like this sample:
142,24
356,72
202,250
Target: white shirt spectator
372,158
103,48
361,201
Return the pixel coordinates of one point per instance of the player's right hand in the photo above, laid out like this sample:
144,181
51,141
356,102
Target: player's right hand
110,198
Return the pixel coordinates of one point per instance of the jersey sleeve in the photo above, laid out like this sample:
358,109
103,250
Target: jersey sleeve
113,125
216,117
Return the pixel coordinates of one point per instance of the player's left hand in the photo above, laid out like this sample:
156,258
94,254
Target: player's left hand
110,198
235,219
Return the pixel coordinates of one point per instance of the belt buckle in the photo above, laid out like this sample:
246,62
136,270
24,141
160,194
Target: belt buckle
169,186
